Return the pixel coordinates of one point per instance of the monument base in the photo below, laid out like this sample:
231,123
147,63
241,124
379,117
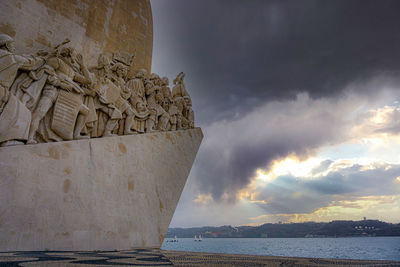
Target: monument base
112,193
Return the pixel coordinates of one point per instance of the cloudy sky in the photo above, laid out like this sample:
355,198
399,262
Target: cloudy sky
299,102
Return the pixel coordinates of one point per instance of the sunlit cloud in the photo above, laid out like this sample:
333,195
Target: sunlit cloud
289,165
354,153
203,199
341,189
328,133
378,126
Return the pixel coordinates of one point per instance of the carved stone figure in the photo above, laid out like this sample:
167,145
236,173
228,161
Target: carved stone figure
28,86
179,89
185,116
118,78
107,93
139,103
15,118
188,113
158,116
52,96
137,88
173,115
63,89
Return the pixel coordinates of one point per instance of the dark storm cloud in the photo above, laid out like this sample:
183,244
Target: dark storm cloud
232,150
239,54
289,194
246,63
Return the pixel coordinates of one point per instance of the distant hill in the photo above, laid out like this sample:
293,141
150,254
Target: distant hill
306,229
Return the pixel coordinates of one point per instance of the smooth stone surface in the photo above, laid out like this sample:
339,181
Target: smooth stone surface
97,194
94,27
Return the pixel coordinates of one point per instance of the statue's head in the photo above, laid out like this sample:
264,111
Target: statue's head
154,76
120,69
159,97
7,43
140,106
149,83
155,79
140,74
188,101
103,62
165,81
68,52
179,78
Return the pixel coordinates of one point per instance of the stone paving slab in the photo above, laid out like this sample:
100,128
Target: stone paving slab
156,257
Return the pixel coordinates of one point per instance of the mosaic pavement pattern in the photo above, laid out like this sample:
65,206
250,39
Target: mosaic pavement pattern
179,258
136,257
155,257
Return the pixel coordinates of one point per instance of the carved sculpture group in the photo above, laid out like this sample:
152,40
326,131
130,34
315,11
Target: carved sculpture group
52,96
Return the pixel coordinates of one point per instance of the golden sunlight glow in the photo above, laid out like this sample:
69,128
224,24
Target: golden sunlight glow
376,151
295,167
203,199
288,166
243,194
372,130
249,192
307,168
382,115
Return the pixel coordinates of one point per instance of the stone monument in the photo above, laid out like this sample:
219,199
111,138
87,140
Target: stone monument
94,148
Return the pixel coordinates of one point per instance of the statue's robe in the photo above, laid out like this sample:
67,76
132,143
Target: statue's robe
60,120
28,86
179,90
15,117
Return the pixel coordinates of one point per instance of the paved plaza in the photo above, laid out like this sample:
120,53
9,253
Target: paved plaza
155,257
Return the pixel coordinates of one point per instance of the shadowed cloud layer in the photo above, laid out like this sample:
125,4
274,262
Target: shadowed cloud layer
239,54
233,150
272,79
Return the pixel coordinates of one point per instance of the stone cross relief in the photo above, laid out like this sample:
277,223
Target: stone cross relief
52,96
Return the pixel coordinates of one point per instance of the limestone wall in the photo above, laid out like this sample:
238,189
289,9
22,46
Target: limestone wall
93,26
97,194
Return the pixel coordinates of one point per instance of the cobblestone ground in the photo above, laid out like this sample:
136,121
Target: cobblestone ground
155,257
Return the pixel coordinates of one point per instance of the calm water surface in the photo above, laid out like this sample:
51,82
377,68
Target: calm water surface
366,248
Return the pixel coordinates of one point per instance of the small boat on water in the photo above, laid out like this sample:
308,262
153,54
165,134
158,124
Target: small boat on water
195,238
199,239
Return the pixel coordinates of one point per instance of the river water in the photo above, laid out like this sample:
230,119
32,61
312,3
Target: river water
365,248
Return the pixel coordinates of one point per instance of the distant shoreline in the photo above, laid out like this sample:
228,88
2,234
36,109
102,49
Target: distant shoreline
364,228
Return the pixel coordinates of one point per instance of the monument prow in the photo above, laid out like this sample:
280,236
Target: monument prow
113,193
95,149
